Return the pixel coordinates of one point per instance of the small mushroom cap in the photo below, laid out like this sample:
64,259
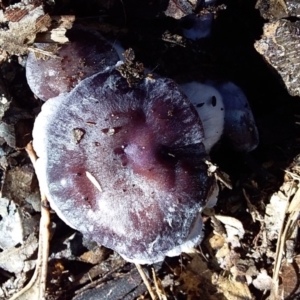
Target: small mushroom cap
240,127
197,27
86,54
224,110
125,165
209,104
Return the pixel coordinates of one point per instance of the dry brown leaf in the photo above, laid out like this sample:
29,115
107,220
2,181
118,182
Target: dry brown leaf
10,259
232,290
275,214
19,183
191,283
57,34
217,226
11,229
224,251
199,266
217,241
234,229
24,22
289,279
94,256
233,226
288,227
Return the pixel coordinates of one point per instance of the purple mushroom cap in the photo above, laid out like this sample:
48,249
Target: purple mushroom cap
125,166
239,128
224,110
87,54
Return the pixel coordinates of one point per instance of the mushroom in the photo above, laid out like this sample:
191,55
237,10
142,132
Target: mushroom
223,107
239,127
210,107
126,166
224,110
196,27
86,54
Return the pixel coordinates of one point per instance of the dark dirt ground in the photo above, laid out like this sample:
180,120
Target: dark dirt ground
77,268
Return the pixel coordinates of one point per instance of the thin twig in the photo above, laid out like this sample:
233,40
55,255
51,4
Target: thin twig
158,287
146,281
288,224
43,52
36,288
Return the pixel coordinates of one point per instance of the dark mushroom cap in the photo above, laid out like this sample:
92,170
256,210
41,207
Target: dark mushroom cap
86,54
239,128
224,110
125,165
210,107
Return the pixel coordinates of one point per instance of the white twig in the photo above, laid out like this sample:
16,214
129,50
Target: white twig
36,288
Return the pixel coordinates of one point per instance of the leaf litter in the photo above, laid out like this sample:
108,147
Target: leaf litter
250,248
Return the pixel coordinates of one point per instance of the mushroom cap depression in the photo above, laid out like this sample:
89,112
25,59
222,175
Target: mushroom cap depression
87,54
125,166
